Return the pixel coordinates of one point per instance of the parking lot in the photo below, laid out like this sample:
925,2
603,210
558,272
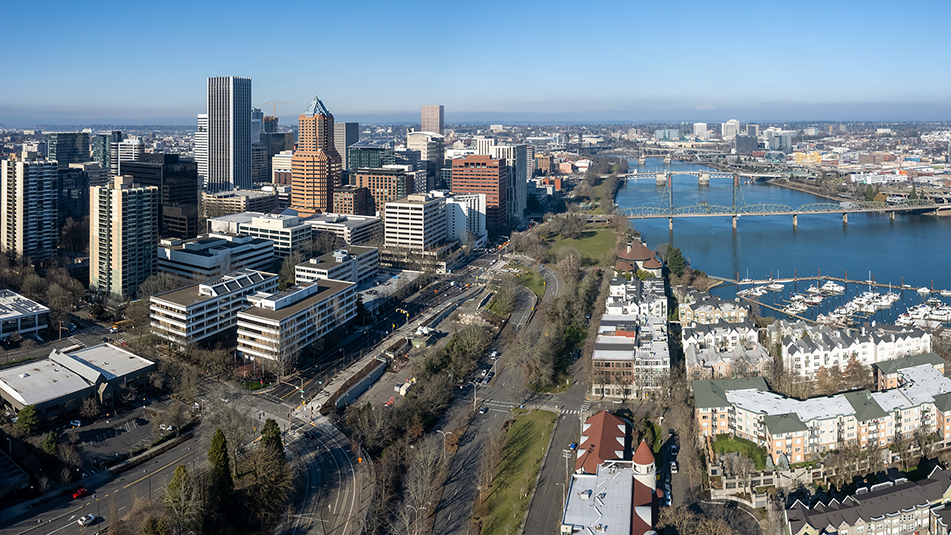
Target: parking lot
110,437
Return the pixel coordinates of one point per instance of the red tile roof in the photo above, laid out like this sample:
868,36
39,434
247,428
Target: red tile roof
623,266
638,253
604,439
643,455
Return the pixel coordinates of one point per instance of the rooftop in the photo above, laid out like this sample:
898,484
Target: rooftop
602,499
13,305
224,285
293,300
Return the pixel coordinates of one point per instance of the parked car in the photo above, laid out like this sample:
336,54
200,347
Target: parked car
79,493
573,446
731,504
483,410
167,427
76,423
673,467
674,449
86,520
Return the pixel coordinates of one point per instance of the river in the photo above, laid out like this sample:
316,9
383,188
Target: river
913,249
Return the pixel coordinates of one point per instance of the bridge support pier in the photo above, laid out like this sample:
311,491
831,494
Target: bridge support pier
670,223
795,220
845,218
734,222
891,215
704,178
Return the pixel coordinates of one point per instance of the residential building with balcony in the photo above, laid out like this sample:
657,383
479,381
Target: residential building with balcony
351,264
704,308
213,255
202,311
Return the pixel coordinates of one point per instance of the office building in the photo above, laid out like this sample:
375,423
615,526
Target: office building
270,124
177,181
431,119
283,194
730,129
123,234
752,130
350,264
352,229
259,165
19,314
57,386
72,187
201,147
98,175
289,233
257,125
102,148
127,150
29,200
229,133
279,326
517,181
385,184
416,222
484,145
465,218
484,174
431,147
208,310
345,134
41,148
700,131
282,168
237,201
316,163
352,200
276,143
745,144
371,154
68,147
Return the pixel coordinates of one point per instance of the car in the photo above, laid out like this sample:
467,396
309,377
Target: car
489,377
483,373
573,446
483,410
76,423
494,355
79,493
673,467
670,432
731,504
86,520
167,427
674,449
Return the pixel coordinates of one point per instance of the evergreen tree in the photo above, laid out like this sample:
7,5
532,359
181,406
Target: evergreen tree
676,261
28,419
181,499
914,194
50,443
271,438
220,484
869,192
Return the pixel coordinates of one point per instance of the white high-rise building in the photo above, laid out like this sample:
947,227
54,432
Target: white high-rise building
516,186
465,218
201,147
345,134
29,200
416,222
700,130
127,150
229,133
730,129
484,145
123,235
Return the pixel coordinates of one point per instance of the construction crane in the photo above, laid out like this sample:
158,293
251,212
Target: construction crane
274,104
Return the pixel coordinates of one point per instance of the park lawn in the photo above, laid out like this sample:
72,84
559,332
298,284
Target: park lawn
515,477
533,280
592,244
727,444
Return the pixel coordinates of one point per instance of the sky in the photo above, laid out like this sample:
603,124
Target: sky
491,61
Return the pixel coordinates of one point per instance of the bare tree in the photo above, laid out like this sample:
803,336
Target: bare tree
230,412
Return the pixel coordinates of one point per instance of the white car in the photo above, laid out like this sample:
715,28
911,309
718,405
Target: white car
86,520
167,427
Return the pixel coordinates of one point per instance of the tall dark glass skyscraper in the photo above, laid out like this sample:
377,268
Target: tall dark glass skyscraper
68,147
229,133
177,182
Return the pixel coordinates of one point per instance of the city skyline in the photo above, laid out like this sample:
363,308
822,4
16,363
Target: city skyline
608,62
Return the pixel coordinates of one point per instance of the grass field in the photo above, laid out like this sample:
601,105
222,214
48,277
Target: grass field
591,245
533,280
726,444
515,477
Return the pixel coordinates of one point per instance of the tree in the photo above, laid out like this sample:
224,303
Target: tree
28,419
182,500
914,194
74,236
50,442
90,408
289,268
676,261
155,525
271,437
220,484
869,192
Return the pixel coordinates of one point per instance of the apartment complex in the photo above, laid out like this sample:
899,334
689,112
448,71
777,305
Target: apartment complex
237,201
288,233
385,184
202,311
704,308
229,133
123,235
29,200
807,348
631,357
353,200
315,166
279,326
793,430
350,264
213,255
724,350
489,176
465,218
515,157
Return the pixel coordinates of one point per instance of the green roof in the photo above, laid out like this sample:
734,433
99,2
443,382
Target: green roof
712,393
780,424
889,367
865,406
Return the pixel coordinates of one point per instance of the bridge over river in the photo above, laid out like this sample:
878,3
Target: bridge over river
739,208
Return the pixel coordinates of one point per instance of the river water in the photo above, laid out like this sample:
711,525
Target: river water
912,249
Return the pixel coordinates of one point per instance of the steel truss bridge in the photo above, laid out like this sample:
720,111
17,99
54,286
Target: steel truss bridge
739,208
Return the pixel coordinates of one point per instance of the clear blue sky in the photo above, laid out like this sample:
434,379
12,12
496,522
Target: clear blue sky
71,62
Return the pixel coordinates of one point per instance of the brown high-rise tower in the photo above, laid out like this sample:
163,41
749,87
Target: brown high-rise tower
315,166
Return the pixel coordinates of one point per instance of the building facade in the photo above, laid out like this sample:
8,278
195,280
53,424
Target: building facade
432,119
29,199
351,264
417,222
203,311
385,185
65,148
315,166
237,201
517,182
127,150
345,134
353,200
177,182
201,147
489,176
229,133
123,235
21,315
213,255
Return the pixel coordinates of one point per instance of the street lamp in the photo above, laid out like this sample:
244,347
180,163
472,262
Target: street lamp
474,385
416,520
98,511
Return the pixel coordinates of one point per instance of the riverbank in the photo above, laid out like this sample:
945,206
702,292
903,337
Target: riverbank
803,189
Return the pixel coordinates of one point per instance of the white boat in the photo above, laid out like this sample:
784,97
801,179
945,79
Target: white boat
924,290
814,300
945,293
775,287
814,289
831,287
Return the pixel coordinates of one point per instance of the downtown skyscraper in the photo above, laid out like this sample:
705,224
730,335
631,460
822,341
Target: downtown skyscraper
229,133
316,166
431,119
28,185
